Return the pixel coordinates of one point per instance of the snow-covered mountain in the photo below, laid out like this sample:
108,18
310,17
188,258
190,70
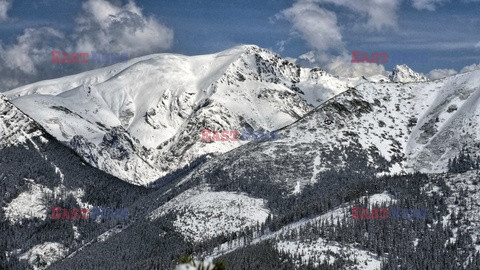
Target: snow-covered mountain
404,74
286,200
143,119
416,126
398,127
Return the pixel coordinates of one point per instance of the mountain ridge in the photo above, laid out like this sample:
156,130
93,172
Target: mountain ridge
250,88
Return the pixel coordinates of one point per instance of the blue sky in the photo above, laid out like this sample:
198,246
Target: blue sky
314,32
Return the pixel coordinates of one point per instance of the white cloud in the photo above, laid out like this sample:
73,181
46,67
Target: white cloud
27,59
343,67
100,26
281,45
291,59
31,48
431,5
427,4
106,27
441,73
5,5
477,45
379,13
471,67
308,56
316,25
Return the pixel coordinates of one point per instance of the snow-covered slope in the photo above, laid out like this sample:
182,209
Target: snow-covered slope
143,119
203,214
321,250
415,126
15,127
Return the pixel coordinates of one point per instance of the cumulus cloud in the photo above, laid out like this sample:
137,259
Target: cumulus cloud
378,13
26,59
102,26
316,25
5,5
471,67
440,73
341,65
31,48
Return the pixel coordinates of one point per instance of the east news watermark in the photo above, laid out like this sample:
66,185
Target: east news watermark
242,135
94,213
385,57
383,213
83,57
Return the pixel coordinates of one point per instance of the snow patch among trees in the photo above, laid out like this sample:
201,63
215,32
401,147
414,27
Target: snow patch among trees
204,214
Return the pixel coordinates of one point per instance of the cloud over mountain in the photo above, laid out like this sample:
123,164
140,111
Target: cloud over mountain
100,26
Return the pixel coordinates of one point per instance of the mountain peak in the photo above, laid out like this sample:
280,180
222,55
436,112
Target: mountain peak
245,49
249,47
404,74
255,50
